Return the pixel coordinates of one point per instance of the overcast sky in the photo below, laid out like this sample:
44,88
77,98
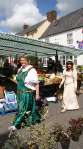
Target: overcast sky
15,13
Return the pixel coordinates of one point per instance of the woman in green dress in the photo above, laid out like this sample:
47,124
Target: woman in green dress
27,94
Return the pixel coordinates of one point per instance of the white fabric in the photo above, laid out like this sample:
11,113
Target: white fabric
70,85
51,99
32,78
2,100
1,105
12,128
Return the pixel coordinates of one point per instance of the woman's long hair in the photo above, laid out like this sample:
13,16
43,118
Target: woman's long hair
67,63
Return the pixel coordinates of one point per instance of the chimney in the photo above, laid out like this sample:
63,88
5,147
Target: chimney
51,16
25,26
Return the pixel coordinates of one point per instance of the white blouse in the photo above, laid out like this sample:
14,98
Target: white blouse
32,78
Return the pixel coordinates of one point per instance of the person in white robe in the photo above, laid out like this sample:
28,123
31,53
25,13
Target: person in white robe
69,80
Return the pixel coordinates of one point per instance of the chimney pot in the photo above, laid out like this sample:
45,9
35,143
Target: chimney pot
25,26
51,16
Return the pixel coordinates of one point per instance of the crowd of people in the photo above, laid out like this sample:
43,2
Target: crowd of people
28,96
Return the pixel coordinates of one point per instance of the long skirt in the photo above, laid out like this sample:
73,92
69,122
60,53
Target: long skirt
27,111
69,98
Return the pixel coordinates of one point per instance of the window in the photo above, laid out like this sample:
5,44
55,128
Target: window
44,61
56,41
63,60
69,38
47,40
75,60
69,57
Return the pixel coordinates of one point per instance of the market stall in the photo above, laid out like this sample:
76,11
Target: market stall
49,85
14,46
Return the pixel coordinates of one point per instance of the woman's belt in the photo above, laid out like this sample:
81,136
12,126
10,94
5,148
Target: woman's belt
24,91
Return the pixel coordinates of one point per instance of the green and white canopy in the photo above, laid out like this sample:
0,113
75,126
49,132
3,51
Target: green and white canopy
18,45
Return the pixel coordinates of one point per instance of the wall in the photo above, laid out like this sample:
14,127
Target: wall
40,30
61,39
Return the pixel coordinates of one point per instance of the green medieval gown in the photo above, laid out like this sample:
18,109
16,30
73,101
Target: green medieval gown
26,102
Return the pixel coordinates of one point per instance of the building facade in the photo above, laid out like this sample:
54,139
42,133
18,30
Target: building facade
67,31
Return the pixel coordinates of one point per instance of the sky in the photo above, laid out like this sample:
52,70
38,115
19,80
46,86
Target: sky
15,13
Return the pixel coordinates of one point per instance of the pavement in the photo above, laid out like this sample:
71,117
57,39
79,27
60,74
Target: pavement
54,116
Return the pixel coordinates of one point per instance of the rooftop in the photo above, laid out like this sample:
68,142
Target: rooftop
30,28
71,21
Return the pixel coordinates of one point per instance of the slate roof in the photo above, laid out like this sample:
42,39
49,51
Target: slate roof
71,21
31,28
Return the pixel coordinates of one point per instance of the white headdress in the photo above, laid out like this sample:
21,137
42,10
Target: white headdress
69,60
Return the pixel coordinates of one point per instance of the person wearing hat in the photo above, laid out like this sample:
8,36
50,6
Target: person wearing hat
69,80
